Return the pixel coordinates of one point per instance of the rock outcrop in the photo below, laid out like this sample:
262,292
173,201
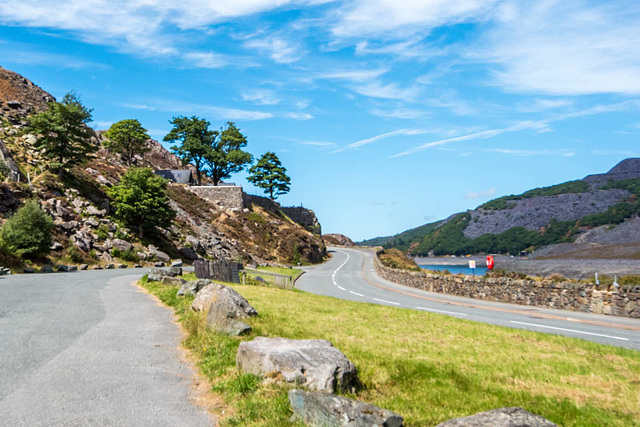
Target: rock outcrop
20,97
329,410
313,364
338,240
503,417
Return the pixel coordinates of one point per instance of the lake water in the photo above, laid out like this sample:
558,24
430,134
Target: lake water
455,269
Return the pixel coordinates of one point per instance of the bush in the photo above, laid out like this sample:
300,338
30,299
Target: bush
28,232
129,255
74,254
102,232
4,169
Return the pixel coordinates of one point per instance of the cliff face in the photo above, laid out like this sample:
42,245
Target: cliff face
536,212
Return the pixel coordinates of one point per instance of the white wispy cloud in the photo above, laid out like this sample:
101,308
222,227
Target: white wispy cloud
377,89
215,60
536,125
223,113
298,116
400,132
399,113
356,76
262,97
142,27
181,107
539,105
279,49
480,194
413,49
401,18
564,47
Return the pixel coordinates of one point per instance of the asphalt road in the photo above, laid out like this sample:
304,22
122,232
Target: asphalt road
350,275
89,348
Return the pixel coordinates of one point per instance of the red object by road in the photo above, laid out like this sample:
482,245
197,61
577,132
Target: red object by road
490,262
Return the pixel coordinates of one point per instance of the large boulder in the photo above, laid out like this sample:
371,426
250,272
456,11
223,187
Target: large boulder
503,417
329,410
121,245
175,271
156,274
314,364
159,255
172,281
226,309
193,287
215,292
188,253
194,243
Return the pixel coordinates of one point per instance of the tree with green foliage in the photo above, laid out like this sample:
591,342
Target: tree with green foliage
270,175
226,156
196,141
28,231
128,138
140,199
62,132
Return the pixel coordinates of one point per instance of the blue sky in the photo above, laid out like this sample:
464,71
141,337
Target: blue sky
386,114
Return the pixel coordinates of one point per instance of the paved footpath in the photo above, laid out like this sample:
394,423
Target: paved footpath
89,348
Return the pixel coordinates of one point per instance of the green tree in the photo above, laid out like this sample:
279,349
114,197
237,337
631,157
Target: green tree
270,175
62,132
128,138
140,199
28,231
196,140
226,156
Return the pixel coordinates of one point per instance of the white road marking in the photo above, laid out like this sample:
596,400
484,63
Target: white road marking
355,293
388,302
340,287
442,311
333,276
570,330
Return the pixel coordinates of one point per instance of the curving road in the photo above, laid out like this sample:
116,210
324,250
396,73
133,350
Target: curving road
89,348
350,274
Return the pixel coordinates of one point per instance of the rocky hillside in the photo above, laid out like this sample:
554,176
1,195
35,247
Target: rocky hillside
87,233
337,240
596,209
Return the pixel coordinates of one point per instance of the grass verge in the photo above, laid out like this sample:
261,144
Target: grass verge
425,366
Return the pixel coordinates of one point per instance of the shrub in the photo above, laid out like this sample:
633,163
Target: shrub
74,254
4,169
102,232
28,232
129,255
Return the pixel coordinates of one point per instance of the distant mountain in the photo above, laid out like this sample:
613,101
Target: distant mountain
539,217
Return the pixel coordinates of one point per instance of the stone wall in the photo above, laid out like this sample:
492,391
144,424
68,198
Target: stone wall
305,217
590,298
227,197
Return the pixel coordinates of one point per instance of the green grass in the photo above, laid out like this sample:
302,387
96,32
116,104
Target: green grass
292,272
427,367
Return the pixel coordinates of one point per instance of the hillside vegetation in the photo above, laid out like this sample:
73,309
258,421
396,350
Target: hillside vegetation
107,206
535,218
